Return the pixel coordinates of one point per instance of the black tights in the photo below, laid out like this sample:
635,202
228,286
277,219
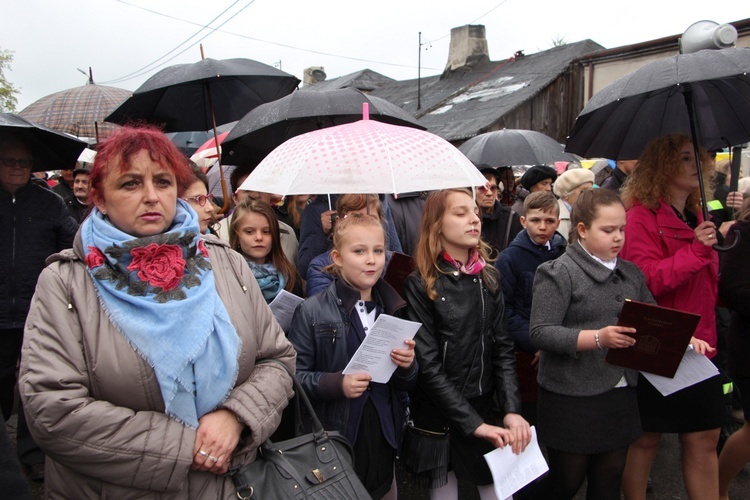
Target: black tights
567,471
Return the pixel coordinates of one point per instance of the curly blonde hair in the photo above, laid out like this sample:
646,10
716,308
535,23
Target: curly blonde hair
658,165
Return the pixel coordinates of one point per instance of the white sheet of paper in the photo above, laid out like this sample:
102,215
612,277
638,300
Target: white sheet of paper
693,368
511,472
374,354
283,306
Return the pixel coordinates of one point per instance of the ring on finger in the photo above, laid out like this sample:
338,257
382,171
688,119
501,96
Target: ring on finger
213,458
203,453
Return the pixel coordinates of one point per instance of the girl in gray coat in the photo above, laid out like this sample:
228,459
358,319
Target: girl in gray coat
587,409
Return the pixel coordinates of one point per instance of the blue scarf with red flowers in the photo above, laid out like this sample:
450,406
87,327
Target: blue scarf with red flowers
159,292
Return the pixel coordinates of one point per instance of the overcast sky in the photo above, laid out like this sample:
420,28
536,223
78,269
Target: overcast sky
126,41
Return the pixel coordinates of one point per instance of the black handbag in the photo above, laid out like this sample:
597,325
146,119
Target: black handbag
319,465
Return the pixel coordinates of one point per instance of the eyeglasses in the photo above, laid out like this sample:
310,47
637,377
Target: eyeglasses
21,162
492,188
201,199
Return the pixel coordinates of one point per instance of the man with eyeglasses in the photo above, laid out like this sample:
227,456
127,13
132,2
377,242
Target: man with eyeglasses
500,224
34,224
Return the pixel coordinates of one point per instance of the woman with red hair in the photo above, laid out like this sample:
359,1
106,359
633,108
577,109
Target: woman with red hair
152,389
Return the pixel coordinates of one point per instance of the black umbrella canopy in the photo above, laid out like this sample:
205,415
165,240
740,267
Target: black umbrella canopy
510,147
177,97
267,126
51,149
624,116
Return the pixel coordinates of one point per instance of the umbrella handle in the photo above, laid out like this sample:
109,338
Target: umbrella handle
734,243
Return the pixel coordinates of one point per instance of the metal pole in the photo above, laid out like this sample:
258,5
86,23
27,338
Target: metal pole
419,74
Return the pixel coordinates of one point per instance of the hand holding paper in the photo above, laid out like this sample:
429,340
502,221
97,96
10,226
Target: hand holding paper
511,472
374,354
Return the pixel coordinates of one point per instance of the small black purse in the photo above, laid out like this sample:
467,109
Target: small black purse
319,465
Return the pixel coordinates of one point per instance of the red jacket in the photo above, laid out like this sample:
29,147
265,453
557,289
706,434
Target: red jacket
681,272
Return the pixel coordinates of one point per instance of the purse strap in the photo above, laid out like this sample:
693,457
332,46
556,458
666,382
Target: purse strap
300,393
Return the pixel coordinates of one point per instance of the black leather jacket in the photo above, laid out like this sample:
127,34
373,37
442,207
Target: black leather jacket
319,334
464,350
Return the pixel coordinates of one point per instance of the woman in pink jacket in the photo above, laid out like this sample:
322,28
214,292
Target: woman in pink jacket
672,244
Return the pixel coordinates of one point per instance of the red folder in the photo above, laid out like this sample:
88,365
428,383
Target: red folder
662,335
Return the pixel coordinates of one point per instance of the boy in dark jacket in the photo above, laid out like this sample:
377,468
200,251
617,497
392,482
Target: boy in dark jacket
536,244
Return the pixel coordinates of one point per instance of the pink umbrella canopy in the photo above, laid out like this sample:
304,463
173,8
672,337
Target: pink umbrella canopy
363,157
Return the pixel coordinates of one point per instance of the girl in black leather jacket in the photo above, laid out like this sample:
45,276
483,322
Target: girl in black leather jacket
467,384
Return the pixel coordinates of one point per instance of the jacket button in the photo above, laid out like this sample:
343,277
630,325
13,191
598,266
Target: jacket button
475,280
618,298
442,298
455,273
615,280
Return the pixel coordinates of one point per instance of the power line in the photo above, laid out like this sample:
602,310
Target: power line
475,20
148,68
253,39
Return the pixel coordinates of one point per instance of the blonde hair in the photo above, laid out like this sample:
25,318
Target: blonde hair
430,248
343,225
658,165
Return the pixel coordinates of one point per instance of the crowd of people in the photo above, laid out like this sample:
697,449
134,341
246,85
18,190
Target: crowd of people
140,313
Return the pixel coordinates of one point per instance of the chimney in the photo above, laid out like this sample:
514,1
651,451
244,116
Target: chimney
468,48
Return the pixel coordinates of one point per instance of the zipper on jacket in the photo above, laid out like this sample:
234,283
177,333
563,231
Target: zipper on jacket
481,333
12,284
445,351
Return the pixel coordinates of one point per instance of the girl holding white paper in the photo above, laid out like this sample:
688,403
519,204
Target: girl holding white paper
326,331
587,409
465,353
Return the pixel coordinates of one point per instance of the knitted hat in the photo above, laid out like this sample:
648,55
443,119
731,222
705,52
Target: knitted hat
536,174
571,179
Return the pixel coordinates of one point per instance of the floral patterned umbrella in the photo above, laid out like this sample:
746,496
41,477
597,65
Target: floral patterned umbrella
366,156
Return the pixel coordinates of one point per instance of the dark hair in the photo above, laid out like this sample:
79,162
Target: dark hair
585,209
199,176
541,200
276,257
124,143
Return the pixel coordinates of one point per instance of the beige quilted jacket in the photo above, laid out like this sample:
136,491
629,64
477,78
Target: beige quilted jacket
95,408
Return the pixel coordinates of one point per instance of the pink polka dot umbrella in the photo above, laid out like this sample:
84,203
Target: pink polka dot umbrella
363,157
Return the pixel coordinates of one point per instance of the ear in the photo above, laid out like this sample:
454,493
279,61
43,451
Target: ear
336,257
581,229
558,223
523,221
96,197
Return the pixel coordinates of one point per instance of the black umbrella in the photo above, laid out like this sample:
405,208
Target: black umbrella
51,149
705,94
199,96
178,97
659,98
269,125
510,147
